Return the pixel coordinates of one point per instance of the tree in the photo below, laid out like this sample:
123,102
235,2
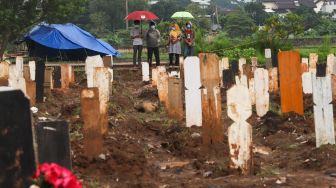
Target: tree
238,24
168,7
277,30
310,17
19,15
256,11
195,10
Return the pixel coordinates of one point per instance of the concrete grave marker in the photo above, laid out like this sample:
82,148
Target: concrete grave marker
53,143
323,111
307,83
32,70
290,82
304,65
16,146
90,113
242,62
330,64
145,71
175,103
192,80
212,129
313,57
101,80
240,132
273,80
261,85
91,63
19,66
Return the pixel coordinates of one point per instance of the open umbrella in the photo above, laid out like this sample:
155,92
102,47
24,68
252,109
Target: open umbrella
141,15
182,15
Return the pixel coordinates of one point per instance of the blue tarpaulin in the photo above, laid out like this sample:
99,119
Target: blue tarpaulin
66,42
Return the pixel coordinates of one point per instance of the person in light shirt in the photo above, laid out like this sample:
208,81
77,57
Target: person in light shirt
136,35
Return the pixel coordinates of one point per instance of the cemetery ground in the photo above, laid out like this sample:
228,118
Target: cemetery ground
147,149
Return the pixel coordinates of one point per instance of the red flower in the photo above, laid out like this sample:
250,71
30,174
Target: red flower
57,176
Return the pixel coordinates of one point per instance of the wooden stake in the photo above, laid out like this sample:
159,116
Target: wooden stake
192,80
254,62
154,76
65,75
261,85
32,69
240,132
101,80
90,113
242,62
268,58
175,104
145,71
163,88
304,65
313,57
333,85
31,91
307,83
330,64
273,80
290,82
323,111
91,63
213,132
252,91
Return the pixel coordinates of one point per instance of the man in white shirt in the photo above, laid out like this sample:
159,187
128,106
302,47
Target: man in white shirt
136,35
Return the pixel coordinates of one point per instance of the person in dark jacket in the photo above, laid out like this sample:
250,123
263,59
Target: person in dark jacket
152,37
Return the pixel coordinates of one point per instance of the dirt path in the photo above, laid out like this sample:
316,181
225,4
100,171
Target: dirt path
151,150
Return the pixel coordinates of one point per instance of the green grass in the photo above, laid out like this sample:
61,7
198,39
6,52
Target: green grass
305,51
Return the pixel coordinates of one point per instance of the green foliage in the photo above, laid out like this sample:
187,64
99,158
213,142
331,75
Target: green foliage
195,10
236,53
310,17
165,9
255,10
238,24
324,50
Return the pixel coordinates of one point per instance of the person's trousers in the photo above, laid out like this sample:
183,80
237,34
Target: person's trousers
137,52
150,51
188,51
177,59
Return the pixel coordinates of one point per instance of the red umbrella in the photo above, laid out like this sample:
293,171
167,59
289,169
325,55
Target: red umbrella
141,15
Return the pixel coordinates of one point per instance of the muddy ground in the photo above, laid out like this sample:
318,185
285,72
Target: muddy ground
150,150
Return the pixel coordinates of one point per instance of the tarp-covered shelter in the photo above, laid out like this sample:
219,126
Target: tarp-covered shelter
65,42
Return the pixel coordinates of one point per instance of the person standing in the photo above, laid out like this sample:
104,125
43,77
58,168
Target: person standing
152,37
174,48
189,40
136,35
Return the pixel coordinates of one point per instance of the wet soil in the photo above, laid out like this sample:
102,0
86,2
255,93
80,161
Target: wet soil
151,150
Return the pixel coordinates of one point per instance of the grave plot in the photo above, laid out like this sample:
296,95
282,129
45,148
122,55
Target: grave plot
151,149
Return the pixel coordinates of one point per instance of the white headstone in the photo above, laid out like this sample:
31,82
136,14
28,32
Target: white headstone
240,132
252,91
268,53
14,80
241,81
32,69
154,76
313,58
145,71
91,63
307,83
323,110
19,66
192,80
261,84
